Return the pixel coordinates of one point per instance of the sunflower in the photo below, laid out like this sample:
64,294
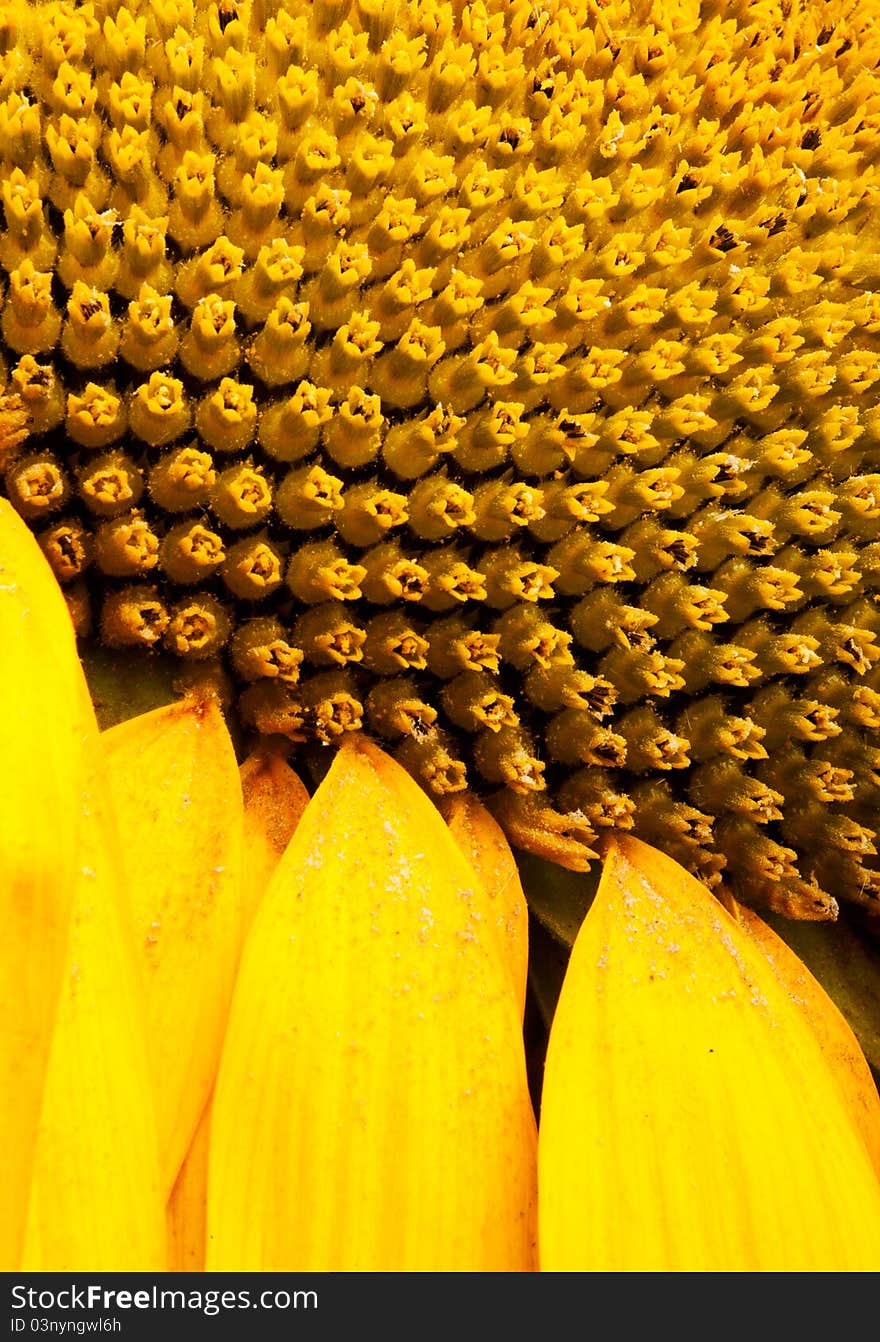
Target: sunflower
262,1031
481,397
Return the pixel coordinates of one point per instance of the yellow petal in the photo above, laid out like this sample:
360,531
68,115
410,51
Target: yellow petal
187,1210
847,965
482,840
839,1044
96,1203
177,795
47,732
371,1110
274,800
689,1121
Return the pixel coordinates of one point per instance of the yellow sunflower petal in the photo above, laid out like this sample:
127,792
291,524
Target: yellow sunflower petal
274,800
96,1202
178,802
47,731
482,840
838,1042
689,1120
371,1110
186,1211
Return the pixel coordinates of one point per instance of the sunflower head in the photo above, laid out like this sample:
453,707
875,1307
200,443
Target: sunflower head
496,378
